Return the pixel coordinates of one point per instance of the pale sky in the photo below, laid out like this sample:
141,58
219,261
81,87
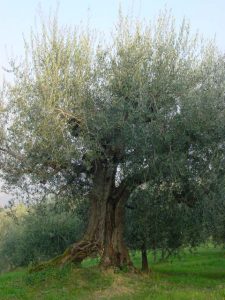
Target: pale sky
18,16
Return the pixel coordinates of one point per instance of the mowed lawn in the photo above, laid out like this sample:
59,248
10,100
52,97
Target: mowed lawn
199,275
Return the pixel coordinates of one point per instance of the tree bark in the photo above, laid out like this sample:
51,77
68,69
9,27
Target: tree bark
104,234
144,258
115,252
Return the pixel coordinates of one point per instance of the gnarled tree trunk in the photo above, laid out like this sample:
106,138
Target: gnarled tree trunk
104,234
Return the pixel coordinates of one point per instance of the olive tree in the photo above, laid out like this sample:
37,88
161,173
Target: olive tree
41,234
103,118
156,222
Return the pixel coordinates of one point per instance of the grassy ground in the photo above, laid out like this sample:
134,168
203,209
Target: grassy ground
193,276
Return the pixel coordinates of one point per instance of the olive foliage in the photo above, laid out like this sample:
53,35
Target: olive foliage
146,107
156,222
39,233
150,102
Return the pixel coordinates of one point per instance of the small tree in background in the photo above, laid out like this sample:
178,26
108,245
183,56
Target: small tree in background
215,218
84,116
156,222
42,233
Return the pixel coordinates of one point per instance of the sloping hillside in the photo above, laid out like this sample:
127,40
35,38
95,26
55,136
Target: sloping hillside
199,275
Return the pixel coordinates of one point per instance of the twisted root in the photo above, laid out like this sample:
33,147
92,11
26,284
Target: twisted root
74,254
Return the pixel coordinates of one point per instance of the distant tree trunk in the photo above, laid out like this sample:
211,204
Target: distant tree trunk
144,258
104,234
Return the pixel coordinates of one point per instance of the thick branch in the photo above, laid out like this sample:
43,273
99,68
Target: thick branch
131,182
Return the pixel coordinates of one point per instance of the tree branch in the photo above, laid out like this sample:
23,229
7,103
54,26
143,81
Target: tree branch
130,183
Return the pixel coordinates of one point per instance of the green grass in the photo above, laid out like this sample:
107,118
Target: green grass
199,275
